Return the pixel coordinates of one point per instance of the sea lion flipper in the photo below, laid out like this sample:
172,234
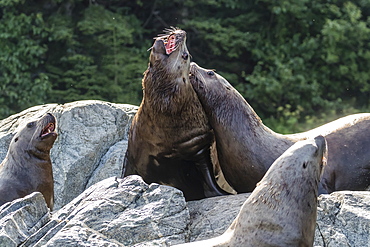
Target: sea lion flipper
210,185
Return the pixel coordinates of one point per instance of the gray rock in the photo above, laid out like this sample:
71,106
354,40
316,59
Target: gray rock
87,130
343,219
211,217
118,212
110,164
21,218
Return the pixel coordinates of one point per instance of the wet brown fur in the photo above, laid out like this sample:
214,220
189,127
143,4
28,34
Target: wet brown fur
246,148
170,137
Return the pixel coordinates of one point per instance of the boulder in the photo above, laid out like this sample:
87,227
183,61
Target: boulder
90,147
118,212
22,218
343,219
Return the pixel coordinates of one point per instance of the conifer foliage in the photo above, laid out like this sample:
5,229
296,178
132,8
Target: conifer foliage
295,61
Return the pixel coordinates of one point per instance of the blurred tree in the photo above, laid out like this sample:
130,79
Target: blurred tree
292,60
22,41
298,63
94,55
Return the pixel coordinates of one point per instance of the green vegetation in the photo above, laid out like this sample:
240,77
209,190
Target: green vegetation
298,63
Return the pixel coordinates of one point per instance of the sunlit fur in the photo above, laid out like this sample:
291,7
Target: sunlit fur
170,136
246,148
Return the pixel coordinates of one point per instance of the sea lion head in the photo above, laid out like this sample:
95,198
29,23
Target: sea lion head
169,52
166,81
207,81
303,163
313,157
36,137
215,93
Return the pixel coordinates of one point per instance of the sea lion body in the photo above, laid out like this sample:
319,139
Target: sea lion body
246,148
281,211
27,166
170,137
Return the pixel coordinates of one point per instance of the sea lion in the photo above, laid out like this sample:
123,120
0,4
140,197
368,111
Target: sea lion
170,136
281,211
246,147
27,166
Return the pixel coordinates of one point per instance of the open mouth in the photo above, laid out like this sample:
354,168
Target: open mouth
49,129
170,44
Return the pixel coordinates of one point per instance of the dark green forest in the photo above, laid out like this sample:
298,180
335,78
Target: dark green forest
298,63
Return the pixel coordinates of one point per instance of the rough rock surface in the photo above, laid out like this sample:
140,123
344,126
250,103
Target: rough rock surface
343,219
211,217
113,212
128,212
87,131
21,218
110,163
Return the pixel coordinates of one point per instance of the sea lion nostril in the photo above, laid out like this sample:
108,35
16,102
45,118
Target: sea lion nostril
185,56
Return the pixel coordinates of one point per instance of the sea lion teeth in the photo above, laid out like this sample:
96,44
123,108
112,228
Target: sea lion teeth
170,44
50,128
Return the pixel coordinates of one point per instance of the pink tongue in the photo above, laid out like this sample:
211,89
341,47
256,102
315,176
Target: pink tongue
170,46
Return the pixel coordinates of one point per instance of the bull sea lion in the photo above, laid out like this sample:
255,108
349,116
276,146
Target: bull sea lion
170,136
246,148
281,211
27,166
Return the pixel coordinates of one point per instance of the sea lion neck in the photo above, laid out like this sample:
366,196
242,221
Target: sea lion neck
230,115
39,160
228,111
42,155
166,81
165,92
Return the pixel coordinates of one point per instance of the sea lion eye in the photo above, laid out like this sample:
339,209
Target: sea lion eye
210,73
30,125
16,139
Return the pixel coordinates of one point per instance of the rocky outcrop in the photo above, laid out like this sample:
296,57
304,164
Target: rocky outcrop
113,212
127,212
118,212
90,147
22,218
343,219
